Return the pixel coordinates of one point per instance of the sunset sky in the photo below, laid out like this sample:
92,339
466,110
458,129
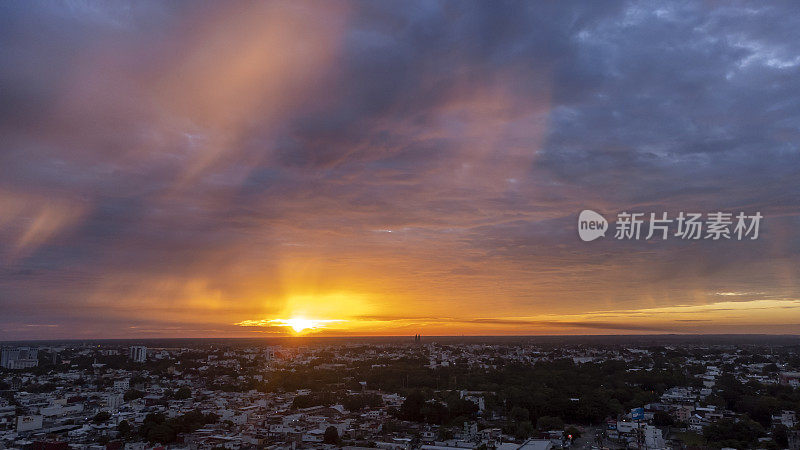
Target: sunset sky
193,169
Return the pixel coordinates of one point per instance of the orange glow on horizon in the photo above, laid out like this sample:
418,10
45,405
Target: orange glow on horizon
674,319
298,325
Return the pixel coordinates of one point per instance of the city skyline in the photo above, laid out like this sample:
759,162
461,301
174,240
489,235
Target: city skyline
378,168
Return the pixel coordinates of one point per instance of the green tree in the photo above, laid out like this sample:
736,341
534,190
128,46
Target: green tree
519,414
524,429
728,433
124,429
411,409
132,394
331,436
780,434
162,433
183,393
547,423
101,417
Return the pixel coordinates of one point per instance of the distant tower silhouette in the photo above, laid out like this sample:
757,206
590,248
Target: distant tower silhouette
418,339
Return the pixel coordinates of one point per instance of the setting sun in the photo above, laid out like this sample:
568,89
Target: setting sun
299,325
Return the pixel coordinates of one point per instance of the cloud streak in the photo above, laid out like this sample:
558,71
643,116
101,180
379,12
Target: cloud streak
185,167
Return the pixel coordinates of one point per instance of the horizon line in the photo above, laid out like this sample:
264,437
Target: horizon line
206,338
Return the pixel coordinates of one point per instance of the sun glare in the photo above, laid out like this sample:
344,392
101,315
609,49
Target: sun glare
297,324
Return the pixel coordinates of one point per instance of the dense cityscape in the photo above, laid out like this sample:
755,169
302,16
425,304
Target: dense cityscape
393,393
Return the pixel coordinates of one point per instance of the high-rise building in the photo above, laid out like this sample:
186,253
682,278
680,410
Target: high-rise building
114,401
138,353
19,358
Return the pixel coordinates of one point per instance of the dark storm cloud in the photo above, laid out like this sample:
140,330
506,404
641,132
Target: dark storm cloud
206,159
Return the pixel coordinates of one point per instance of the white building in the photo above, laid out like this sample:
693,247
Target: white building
536,444
653,438
57,409
114,401
28,423
138,353
19,358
